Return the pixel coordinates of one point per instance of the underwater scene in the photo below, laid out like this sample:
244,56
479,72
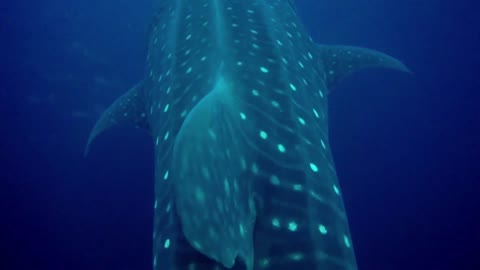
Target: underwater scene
240,134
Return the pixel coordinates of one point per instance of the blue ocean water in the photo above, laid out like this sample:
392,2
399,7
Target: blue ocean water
406,146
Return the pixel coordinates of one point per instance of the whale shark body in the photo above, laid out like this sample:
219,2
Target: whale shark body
235,99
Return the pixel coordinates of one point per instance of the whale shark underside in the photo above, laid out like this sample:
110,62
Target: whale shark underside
235,99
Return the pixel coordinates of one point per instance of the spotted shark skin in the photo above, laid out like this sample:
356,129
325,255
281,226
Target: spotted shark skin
235,99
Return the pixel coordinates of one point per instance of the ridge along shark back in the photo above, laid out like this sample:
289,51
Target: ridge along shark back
235,99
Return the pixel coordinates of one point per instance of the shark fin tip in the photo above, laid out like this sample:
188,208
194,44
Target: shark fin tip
126,110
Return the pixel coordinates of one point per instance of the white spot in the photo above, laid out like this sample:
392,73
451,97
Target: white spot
336,190
243,116
242,230
296,256
169,206
313,167
346,241
254,168
264,69
322,229
263,135
226,186
293,87
292,226
323,144
212,134
167,243
276,223
281,148
197,245
297,187
274,180
165,176
301,120
264,262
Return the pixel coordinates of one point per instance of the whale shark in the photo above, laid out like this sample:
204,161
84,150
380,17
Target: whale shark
235,98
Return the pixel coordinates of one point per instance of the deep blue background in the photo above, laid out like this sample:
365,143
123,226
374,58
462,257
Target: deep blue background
406,146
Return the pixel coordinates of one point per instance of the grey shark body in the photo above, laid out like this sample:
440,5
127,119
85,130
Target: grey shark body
235,99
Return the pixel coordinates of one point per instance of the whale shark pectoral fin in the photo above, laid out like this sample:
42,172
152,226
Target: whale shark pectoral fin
340,61
213,193
128,110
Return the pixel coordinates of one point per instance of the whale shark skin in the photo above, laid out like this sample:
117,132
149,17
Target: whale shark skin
235,98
